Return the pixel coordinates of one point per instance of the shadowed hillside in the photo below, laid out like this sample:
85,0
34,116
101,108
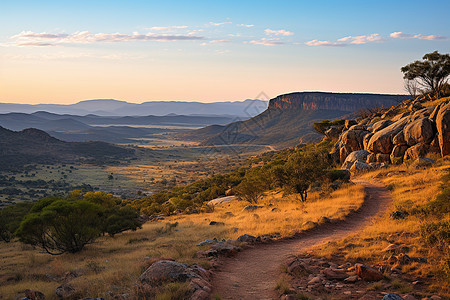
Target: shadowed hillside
36,146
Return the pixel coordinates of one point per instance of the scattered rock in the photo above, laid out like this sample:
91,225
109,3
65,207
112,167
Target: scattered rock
212,223
422,162
251,207
65,291
246,238
207,242
34,295
165,271
367,273
335,274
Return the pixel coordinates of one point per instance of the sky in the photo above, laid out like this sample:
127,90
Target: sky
68,51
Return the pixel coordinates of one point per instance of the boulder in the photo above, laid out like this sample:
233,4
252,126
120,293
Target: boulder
381,157
165,271
367,273
434,145
422,162
351,279
397,153
423,113
360,155
381,141
366,140
213,223
358,127
399,116
349,123
399,138
380,125
343,153
392,297
419,131
334,132
359,166
334,274
353,139
416,151
221,200
443,128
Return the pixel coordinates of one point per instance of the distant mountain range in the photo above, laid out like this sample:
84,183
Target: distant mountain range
110,107
289,119
113,129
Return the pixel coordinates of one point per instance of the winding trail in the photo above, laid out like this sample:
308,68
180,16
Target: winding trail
253,273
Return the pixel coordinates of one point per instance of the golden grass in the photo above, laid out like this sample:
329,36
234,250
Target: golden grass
411,189
282,215
114,264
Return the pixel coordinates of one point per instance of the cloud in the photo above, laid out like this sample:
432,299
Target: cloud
362,39
316,43
402,35
29,44
246,25
218,24
345,41
166,27
47,39
266,42
218,41
278,32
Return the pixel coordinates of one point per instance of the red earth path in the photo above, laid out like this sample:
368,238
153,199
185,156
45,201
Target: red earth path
253,273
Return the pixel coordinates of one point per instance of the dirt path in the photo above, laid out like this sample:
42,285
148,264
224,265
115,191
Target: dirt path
253,273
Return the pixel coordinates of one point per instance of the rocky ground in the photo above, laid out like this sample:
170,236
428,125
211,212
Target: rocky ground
318,278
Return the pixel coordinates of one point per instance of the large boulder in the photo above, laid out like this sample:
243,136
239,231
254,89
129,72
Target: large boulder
359,166
381,141
399,139
360,155
419,131
443,128
397,153
380,125
416,151
334,132
349,123
165,271
353,139
400,116
423,113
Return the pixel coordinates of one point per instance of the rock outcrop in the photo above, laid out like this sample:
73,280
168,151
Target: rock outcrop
394,136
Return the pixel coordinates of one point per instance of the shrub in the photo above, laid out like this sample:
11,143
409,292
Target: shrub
436,234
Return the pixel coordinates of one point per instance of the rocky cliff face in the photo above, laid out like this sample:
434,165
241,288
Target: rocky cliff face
334,101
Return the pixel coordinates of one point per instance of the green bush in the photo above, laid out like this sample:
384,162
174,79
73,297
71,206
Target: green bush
436,234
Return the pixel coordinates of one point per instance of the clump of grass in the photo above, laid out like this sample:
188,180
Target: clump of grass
375,286
283,285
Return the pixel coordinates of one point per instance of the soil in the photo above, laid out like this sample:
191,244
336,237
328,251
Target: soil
253,273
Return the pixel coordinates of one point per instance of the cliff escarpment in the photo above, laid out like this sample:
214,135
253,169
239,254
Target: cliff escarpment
350,102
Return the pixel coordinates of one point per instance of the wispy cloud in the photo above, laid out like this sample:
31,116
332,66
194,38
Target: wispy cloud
29,38
218,24
345,41
362,39
278,32
316,43
402,35
215,42
266,42
168,28
246,25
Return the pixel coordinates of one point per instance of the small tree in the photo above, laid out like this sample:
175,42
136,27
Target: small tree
301,170
61,225
431,73
252,186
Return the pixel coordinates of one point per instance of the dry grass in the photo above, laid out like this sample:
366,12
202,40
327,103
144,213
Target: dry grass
282,215
114,264
412,190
